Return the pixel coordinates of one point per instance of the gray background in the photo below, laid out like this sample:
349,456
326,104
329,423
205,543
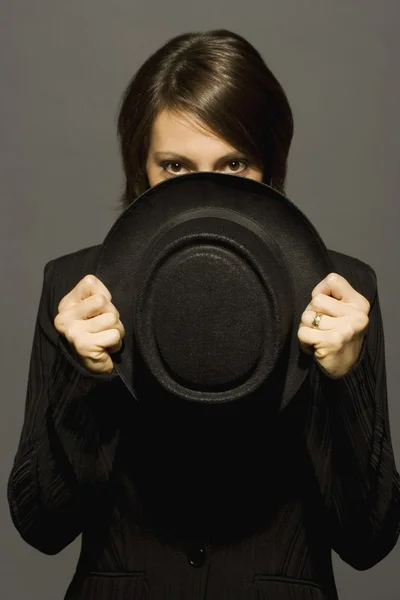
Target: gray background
64,66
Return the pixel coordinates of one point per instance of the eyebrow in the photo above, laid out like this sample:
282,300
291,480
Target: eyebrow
165,154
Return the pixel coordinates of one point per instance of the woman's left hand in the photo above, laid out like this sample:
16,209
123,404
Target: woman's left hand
337,342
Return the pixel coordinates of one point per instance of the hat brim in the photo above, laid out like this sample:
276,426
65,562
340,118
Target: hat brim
126,244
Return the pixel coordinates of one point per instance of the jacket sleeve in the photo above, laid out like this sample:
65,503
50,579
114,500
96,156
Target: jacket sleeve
69,437
349,444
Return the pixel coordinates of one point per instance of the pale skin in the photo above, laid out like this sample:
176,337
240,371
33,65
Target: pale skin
179,145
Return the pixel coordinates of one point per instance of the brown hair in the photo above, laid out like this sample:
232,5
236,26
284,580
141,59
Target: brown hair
220,79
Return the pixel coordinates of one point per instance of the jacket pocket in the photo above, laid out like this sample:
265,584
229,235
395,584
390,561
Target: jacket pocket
113,586
286,588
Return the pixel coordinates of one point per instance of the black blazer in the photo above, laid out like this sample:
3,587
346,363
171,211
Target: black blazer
234,505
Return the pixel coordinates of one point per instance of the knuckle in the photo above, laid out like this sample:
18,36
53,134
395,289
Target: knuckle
348,331
366,306
318,301
113,310
112,318
113,338
90,279
337,338
69,334
332,277
80,346
58,322
301,334
362,304
72,333
99,301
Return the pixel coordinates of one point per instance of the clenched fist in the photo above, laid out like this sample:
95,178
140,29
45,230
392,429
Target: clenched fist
91,324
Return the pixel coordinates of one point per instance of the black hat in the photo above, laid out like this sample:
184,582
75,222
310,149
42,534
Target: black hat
210,274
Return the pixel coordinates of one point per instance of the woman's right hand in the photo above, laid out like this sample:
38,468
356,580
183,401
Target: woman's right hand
91,324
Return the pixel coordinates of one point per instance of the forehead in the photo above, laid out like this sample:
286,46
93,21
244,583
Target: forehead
180,131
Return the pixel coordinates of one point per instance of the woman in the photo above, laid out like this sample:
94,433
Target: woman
164,512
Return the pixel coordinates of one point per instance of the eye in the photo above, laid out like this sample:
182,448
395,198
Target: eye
172,167
237,165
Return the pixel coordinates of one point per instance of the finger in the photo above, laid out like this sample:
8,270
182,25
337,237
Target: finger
108,320
90,307
329,306
326,322
329,341
84,310
322,288
108,338
93,345
93,306
86,287
338,287
115,348
312,337
333,284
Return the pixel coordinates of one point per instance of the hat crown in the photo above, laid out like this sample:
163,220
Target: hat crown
214,306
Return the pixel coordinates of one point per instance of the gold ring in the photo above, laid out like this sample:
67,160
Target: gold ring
317,320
